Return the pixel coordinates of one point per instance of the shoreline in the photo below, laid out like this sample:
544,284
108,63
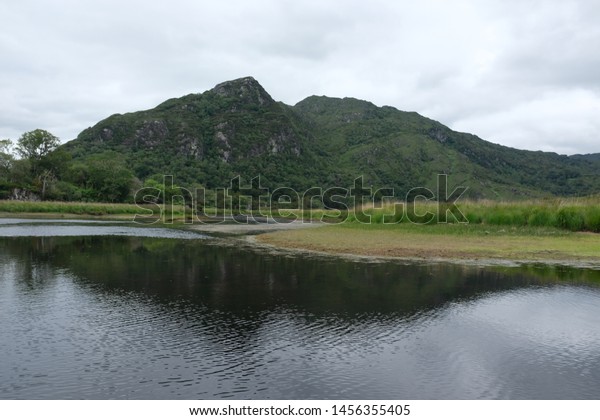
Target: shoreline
253,241
56,215
470,252
249,229
402,243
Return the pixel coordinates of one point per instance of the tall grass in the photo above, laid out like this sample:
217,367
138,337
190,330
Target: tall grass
574,214
83,208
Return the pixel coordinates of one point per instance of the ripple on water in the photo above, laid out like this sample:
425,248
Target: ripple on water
90,229
69,338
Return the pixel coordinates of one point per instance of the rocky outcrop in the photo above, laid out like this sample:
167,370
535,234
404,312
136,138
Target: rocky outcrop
246,89
20,194
151,134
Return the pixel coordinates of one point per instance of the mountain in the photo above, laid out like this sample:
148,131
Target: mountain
593,157
236,128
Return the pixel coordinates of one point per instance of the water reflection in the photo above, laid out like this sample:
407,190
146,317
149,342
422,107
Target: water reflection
238,279
141,317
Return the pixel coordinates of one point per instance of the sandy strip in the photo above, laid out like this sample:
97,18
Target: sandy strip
233,228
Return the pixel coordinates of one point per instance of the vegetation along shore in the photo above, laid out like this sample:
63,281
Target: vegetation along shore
517,205
562,231
556,230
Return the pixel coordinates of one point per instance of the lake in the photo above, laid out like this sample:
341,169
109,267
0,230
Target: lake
106,311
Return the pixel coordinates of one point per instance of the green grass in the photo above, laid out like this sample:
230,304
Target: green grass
446,241
574,214
571,214
76,208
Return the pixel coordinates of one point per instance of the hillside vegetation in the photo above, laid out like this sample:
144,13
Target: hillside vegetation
204,140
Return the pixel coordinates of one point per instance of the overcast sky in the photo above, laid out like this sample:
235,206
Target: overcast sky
520,73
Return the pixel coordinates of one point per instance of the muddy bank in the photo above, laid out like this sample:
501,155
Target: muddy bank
233,227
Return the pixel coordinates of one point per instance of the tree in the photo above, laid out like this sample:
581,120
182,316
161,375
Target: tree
35,145
6,164
6,158
102,177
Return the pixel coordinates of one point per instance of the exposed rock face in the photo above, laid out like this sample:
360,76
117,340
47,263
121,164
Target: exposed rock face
190,146
23,195
438,134
106,134
284,141
246,89
151,134
222,134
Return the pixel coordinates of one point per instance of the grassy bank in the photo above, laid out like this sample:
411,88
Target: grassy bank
443,241
574,214
550,230
13,208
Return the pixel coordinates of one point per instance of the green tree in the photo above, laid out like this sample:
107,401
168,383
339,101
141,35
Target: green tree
57,161
166,190
35,145
6,163
102,177
20,173
6,158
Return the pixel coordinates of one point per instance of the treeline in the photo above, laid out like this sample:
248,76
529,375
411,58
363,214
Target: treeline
36,168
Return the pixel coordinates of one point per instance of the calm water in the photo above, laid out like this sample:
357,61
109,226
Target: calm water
93,311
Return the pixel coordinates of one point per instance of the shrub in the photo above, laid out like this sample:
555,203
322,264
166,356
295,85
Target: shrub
474,218
592,220
570,218
541,217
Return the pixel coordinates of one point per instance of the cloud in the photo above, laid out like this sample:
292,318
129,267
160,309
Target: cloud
517,73
561,122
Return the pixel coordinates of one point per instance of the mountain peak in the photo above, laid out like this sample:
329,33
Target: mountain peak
246,88
236,128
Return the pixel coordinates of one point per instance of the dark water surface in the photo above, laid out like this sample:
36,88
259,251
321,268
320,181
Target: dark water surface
92,311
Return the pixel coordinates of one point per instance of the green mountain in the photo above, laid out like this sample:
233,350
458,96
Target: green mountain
236,128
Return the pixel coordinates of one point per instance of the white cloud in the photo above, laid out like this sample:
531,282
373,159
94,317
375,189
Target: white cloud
521,73
561,122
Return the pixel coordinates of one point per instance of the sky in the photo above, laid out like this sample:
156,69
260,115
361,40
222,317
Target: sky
525,74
